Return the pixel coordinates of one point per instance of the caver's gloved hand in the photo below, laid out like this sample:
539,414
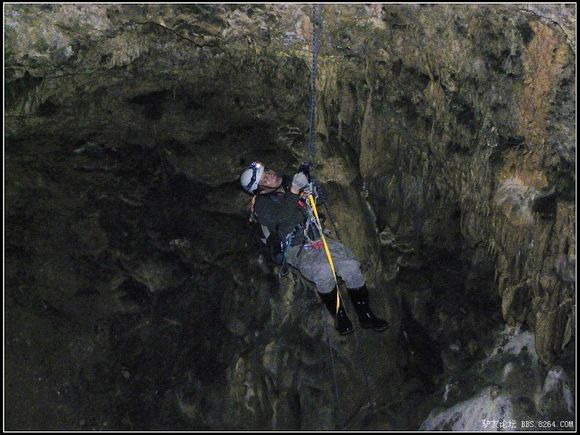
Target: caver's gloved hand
317,189
300,181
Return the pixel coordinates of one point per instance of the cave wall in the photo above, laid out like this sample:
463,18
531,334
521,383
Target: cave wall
462,123
445,140
124,202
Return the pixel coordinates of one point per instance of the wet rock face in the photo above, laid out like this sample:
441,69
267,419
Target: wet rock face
137,294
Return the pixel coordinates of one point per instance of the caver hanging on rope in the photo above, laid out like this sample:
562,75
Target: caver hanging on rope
287,209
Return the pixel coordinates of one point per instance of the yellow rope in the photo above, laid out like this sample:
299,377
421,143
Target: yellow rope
326,249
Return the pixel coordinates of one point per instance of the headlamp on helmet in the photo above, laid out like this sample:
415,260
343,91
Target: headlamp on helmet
251,177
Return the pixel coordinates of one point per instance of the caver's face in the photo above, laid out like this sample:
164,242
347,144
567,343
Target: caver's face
270,180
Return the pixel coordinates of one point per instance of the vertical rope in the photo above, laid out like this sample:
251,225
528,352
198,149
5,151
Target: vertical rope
365,373
317,23
336,393
364,368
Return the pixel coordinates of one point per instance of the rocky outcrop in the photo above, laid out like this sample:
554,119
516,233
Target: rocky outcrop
135,290
519,388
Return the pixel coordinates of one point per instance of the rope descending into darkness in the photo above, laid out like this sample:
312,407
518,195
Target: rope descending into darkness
317,14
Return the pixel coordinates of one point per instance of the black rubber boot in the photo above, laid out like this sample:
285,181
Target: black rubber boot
341,321
360,300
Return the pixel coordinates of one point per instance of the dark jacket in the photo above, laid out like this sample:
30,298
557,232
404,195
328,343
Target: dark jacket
281,212
285,213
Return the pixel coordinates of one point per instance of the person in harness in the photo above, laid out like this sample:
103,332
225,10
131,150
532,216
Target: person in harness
280,207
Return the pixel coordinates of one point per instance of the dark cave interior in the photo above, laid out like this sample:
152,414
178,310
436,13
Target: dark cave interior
139,297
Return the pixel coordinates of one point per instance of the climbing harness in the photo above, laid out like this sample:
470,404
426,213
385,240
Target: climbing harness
284,246
314,245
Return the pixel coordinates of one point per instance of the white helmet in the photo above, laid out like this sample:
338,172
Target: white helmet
250,178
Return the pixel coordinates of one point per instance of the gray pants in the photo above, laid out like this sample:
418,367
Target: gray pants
313,265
